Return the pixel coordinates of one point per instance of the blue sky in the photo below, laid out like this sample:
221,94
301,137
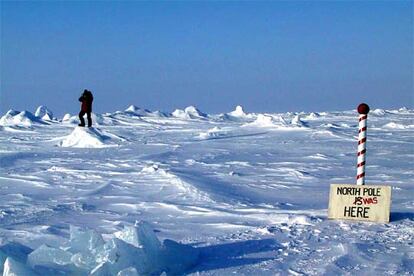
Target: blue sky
271,56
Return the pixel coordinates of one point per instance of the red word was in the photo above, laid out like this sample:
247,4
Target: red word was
365,200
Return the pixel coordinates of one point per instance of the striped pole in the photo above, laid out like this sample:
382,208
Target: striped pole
363,110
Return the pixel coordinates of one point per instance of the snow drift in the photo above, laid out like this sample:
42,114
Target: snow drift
266,121
137,111
44,113
251,200
132,109
189,112
277,122
82,137
21,119
212,133
238,112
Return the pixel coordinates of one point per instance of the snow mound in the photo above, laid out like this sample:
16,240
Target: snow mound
296,121
267,121
22,119
236,115
393,125
135,250
66,117
212,133
153,168
239,113
82,137
263,121
404,110
313,116
136,111
159,114
189,112
132,109
378,112
44,113
277,123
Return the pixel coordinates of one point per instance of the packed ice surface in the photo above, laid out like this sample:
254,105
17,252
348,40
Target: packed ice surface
233,193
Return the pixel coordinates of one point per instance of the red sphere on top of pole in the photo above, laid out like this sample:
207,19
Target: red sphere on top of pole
363,108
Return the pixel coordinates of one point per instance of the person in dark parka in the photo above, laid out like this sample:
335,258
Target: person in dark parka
86,107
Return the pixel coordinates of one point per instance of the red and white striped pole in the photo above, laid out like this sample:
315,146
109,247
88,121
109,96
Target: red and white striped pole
363,110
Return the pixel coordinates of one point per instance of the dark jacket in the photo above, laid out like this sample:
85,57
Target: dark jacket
86,99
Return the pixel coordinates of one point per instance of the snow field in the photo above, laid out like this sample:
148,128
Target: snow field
239,192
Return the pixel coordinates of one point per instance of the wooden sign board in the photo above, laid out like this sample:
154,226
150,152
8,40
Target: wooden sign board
360,202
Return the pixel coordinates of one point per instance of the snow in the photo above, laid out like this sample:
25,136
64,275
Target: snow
296,121
190,112
239,113
191,193
22,119
137,111
393,125
66,117
44,113
275,122
82,137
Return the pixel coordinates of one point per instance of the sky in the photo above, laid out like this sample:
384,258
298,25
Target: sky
268,56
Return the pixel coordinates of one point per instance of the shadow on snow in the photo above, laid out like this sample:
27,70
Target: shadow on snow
397,216
228,255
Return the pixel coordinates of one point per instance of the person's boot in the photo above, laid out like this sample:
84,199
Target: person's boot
81,125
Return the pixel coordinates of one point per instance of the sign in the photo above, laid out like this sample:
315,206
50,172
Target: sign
360,202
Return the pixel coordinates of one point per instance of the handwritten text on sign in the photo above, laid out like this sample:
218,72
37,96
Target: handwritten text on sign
360,202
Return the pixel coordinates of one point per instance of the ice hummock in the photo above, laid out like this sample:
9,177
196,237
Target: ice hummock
190,112
21,119
83,239
297,121
237,115
135,250
82,137
277,122
44,113
49,258
15,268
266,121
212,133
66,118
137,111
132,109
14,250
239,112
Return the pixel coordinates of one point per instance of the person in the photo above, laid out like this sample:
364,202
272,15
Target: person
86,107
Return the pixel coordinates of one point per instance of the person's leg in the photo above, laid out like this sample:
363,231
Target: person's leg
82,120
88,114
